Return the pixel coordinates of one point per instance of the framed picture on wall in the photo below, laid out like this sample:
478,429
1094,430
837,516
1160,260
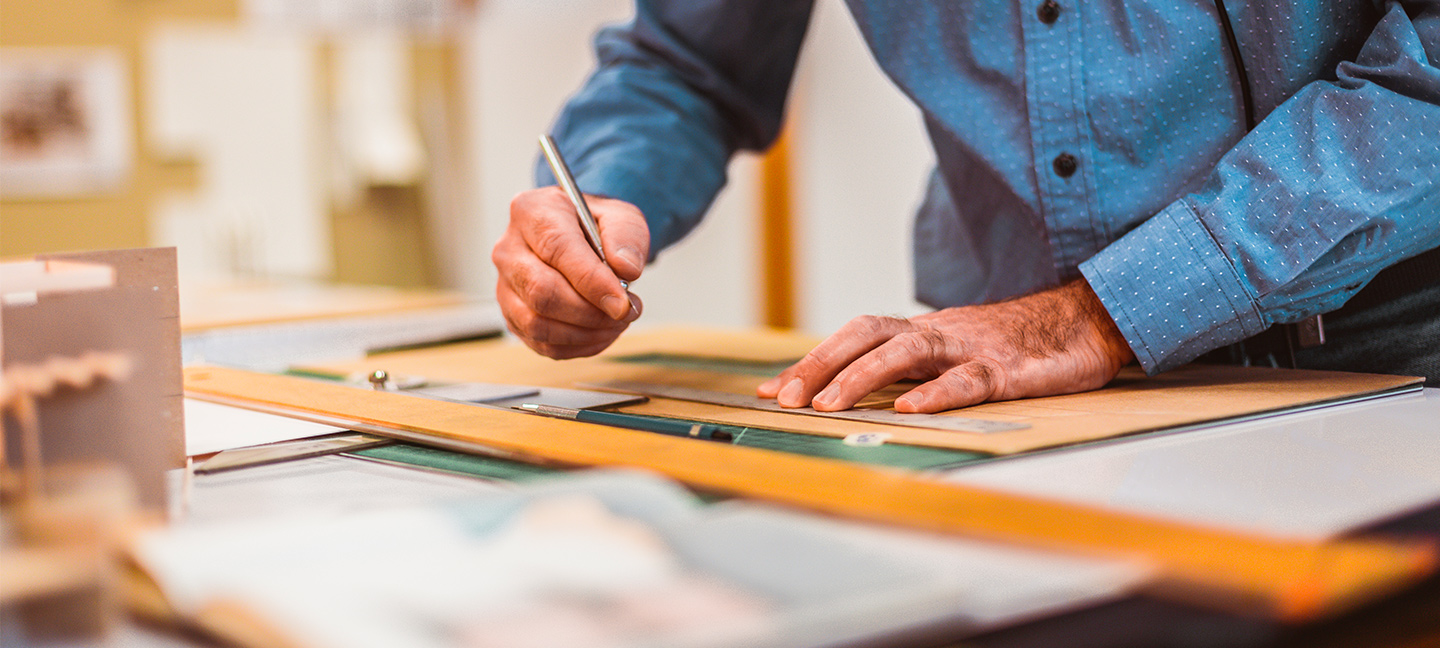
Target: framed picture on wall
65,128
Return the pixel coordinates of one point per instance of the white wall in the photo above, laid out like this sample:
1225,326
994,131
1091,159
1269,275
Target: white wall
244,104
859,152
525,58
862,159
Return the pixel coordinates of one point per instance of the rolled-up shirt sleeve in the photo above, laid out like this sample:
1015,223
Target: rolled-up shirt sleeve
1339,182
677,92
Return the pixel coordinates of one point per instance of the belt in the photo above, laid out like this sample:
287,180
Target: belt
1276,346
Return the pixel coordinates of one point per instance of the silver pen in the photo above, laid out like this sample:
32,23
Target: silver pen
567,184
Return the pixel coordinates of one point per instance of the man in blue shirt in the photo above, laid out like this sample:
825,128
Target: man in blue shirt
1115,181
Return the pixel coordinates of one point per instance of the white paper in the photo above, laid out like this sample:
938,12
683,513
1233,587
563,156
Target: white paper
315,488
1310,475
211,428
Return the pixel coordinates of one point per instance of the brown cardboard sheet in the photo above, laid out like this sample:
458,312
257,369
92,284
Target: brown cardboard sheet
1132,403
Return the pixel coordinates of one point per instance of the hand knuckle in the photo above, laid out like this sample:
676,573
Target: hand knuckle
521,322
524,204
592,275
514,327
536,327
982,373
544,298
912,344
933,342
868,323
521,278
986,373
503,252
919,348
548,242
818,358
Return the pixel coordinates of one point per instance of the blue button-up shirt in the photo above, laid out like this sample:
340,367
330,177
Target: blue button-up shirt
1193,233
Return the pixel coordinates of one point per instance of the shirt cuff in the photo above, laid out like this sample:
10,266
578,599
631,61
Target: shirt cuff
1172,291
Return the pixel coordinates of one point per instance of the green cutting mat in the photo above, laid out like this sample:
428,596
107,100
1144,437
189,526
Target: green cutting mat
454,462
913,457
898,456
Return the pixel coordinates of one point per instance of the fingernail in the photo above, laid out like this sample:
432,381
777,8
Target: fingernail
634,312
909,403
616,307
790,395
768,387
630,255
826,397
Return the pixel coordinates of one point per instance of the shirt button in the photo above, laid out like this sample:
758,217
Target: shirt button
1065,165
1048,11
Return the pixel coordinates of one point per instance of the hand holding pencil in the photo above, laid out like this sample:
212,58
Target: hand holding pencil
561,296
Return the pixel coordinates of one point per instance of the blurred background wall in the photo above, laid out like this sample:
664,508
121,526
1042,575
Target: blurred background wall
380,141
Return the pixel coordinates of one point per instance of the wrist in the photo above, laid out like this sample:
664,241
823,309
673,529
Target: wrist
1107,335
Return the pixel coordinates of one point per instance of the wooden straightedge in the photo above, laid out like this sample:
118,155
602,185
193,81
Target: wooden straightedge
1284,578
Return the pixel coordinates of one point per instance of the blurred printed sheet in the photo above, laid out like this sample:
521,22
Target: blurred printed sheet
606,559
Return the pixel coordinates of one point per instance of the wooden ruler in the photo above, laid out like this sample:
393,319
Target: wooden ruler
1288,579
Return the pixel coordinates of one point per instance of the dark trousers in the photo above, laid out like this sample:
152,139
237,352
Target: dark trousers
1392,326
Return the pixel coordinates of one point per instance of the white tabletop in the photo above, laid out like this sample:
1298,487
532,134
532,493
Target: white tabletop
1310,475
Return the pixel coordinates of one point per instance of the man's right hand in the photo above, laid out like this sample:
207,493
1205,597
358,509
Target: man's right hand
556,293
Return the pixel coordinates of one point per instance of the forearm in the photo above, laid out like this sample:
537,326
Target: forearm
677,92
630,135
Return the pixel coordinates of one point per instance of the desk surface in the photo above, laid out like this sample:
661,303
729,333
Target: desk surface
1313,474
212,305
1367,466
1286,453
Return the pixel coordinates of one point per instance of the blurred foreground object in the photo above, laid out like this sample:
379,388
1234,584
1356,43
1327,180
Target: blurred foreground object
60,552
90,395
59,306
600,558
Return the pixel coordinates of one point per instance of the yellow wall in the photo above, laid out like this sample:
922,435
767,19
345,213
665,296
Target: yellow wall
110,220
380,239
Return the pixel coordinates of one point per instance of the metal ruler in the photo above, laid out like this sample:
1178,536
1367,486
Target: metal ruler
289,451
882,416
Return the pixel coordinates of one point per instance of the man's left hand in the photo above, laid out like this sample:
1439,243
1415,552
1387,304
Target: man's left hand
1057,341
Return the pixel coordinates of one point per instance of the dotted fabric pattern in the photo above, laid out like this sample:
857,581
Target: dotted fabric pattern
1103,138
